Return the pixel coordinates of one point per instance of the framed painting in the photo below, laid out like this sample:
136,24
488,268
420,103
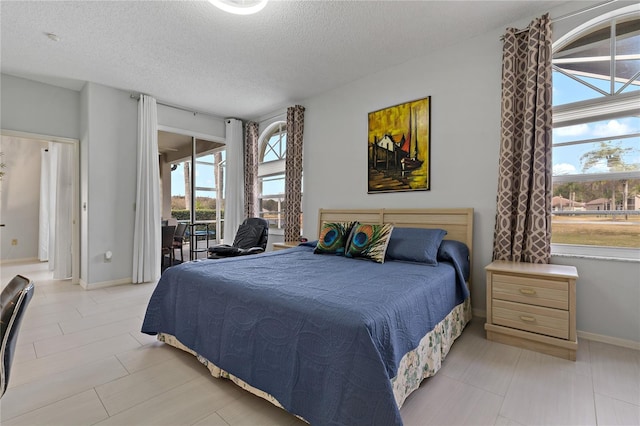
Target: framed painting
399,147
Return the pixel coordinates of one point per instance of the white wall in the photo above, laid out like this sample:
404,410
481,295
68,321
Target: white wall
20,192
464,84
608,297
465,118
33,107
109,183
193,124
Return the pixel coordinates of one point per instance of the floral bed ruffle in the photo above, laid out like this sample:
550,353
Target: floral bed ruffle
426,359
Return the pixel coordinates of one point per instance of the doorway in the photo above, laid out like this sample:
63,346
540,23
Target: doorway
20,199
192,171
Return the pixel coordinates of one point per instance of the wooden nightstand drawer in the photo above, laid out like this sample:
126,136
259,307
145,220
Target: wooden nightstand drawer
530,290
547,321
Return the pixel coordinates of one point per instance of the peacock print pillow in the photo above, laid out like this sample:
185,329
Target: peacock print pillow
369,241
333,237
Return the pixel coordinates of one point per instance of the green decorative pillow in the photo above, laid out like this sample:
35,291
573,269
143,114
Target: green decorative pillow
369,241
333,237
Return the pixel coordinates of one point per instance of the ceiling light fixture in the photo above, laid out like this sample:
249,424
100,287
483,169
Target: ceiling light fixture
240,7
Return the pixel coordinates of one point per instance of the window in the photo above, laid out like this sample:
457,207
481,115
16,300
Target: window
208,185
272,154
596,137
271,178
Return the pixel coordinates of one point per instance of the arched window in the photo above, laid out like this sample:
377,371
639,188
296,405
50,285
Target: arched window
272,151
274,146
596,134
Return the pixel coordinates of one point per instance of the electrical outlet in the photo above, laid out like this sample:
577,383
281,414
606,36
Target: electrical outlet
14,242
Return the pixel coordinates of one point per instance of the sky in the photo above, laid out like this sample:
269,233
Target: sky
204,178
566,159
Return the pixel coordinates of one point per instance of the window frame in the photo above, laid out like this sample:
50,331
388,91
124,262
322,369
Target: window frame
193,188
609,107
267,169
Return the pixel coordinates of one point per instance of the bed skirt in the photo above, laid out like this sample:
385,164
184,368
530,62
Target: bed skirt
426,359
415,366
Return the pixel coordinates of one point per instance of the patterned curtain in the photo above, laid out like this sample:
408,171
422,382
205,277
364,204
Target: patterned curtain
251,170
523,216
293,174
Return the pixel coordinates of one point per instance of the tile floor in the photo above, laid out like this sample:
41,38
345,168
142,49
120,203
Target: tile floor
81,360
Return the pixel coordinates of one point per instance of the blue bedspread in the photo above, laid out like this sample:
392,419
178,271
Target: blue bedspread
323,334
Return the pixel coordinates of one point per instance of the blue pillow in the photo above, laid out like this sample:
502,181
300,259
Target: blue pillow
455,252
415,244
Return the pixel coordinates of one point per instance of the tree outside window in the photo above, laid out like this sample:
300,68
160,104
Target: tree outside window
596,135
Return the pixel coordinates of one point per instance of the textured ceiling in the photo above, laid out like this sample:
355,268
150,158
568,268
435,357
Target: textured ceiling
191,54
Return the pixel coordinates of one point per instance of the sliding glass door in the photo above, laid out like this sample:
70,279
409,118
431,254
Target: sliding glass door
196,190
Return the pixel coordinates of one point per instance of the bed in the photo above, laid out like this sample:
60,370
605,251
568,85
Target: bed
331,339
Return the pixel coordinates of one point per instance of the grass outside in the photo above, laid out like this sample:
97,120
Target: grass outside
596,231
272,217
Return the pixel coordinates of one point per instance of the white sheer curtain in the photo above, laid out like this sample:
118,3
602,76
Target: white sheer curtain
234,190
43,234
147,238
60,205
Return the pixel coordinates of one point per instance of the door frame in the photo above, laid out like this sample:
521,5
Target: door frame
75,208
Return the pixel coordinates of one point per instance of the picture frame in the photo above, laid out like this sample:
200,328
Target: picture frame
399,147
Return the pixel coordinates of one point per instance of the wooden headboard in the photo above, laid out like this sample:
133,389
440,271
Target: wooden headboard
458,222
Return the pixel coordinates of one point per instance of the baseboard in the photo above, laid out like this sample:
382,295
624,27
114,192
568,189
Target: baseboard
104,284
23,260
615,341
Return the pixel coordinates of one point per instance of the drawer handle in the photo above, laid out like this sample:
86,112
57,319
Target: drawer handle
527,319
527,291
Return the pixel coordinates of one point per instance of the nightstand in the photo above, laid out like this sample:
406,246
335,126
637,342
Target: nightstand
285,245
533,306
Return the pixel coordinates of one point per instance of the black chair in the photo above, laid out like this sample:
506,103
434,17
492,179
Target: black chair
167,244
178,240
251,238
13,303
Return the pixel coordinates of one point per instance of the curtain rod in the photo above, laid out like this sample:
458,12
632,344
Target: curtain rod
181,108
570,15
